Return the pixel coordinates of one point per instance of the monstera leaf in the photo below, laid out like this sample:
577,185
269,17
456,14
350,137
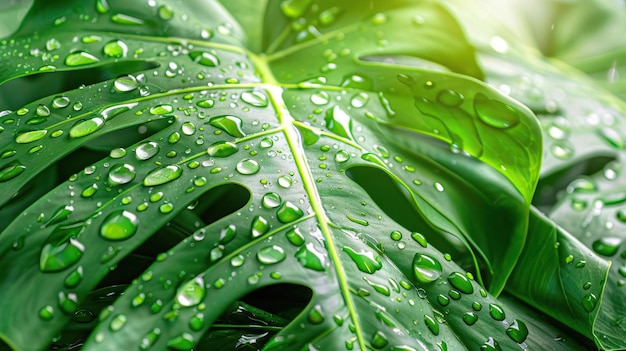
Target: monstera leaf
271,175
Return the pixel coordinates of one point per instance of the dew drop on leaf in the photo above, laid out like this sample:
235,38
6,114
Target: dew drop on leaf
271,254
125,83
80,58
288,212
118,322
60,102
247,166
426,268
150,338
161,109
254,98
222,149
589,302
89,191
450,98
359,100
163,175
115,49
518,331
165,12
42,111
271,200
612,137
562,149
86,127
310,258
490,345
470,318
191,293
443,300
30,136
127,20
295,237
46,313
366,261
496,312
121,174
320,98
495,113
183,342
432,324
74,278
339,122
11,171
147,150
260,226
119,225
232,125
204,58
315,315
461,282
208,103
196,322
68,302
607,246
59,256
358,82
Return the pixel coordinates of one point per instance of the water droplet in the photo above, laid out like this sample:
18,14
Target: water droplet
288,212
230,124
607,246
125,83
443,300
118,322
432,324
183,342
460,282
271,200
562,149
339,122
119,225
295,237
329,16
366,261
342,156
589,302
450,98
80,58
266,143
196,322
254,98
260,226
74,278
163,109
206,103
310,258
470,318
379,18
518,331
46,313
496,312
86,127
163,175
426,268
191,293
495,113
68,303
316,315
204,58
379,340
285,181
612,137
490,345
124,19
271,254
147,150
121,174
320,98
357,220
188,128
42,111
115,49
222,149
150,338
165,12
57,256
30,136
89,191
118,152
247,166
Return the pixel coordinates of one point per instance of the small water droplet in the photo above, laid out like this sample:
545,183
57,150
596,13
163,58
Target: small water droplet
607,246
204,58
310,258
119,225
432,324
255,98
163,109
30,136
125,83
80,58
46,313
230,124
460,282
118,322
562,149
496,312
495,113
222,149
320,98
288,212
147,150
183,342
57,256
316,315
285,181
589,302
124,19
191,293
260,226
426,268
271,255
366,261
490,345
271,200
163,175
470,318
247,166
165,12
518,331
68,302
121,174
450,98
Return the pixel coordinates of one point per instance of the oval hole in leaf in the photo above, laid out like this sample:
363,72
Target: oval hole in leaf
44,84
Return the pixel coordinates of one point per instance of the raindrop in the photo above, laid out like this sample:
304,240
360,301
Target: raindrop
42,111
379,340
188,128
230,124
295,237
60,102
443,300
147,150
121,174
329,16
118,152
191,293
426,268
247,166
271,200
80,58
165,12
222,149
310,258
68,302
366,261
89,191
161,109
490,345
83,316
271,254
518,331
612,137
285,181
59,256
470,318
124,19
359,100
342,156
562,149
46,313
74,278
432,324
607,246
316,316
320,98
204,58
31,136
254,98
339,122
266,143
496,312
125,83
86,127
206,103
119,225
461,282
589,302
450,98
495,113
288,212
183,342
163,175
260,226
237,261
196,322
118,322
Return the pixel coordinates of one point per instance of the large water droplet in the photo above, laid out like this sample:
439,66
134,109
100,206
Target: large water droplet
461,282
518,331
426,268
11,171
86,127
310,258
490,345
163,175
589,302
230,124
118,322
163,109
271,200
222,149
115,49
59,256
165,12
260,226
495,113
366,261
80,58
339,122
320,98
432,324
121,174
183,342
255,98
74,278
119,225
607,246
450,98
30,136
470,318
204,58
295,237
294,8
147,150
247,166
288,212
271,254
496,312
68,302
125,83
191,293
